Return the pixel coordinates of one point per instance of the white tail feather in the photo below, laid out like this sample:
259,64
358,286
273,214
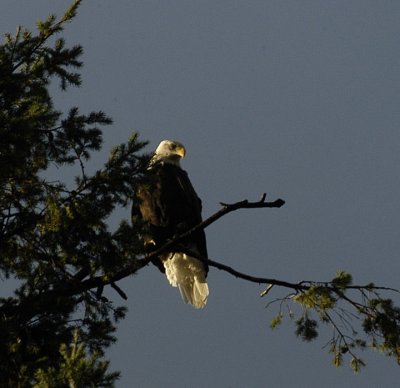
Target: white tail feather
188,274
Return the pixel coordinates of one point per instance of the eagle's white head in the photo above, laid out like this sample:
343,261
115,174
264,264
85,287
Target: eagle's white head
168,151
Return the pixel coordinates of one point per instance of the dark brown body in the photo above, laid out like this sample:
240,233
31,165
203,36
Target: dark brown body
168,205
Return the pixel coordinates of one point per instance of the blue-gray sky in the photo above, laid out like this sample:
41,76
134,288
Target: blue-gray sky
296,98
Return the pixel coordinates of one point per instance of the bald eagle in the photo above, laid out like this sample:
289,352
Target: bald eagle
167,205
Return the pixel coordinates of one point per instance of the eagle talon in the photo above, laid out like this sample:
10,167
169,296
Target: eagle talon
149,245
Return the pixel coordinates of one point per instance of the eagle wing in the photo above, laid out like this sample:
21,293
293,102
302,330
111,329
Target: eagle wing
167,205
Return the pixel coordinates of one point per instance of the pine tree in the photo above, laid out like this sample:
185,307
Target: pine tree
54,236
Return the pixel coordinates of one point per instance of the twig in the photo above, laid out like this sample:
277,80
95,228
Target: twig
120,292
82,166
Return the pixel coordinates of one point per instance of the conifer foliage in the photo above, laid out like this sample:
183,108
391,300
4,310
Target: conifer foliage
54,235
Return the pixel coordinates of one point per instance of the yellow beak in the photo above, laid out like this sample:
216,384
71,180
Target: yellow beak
180,150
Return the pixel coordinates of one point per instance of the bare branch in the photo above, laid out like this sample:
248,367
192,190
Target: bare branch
119,291
227,208
253,279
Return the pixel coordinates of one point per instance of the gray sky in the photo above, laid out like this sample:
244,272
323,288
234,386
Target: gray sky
296,98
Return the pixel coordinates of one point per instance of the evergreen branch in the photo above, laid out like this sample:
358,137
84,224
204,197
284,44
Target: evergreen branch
341,338
77,285
46,30
16,40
